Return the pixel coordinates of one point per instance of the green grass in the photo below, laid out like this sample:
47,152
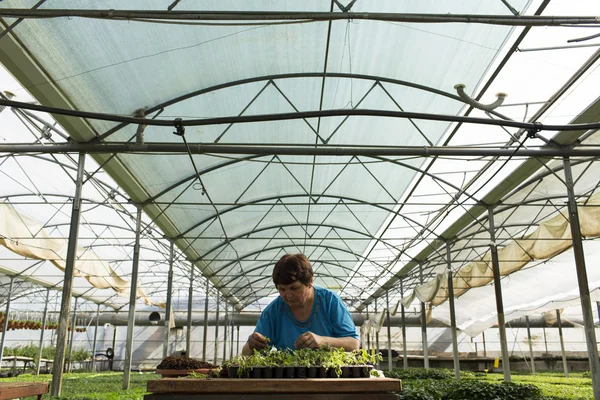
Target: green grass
105,385
552,384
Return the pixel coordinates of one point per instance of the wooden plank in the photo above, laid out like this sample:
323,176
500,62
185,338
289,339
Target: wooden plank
13,390
280,396
340,385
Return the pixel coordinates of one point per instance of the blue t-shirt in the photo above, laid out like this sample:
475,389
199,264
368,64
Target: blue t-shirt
329,317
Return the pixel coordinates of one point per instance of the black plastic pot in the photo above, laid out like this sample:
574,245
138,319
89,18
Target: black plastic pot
256,372
355,371
289,372
312,372
346,373
277,372
232,372
321,372
365,371
332,374
267,372
300,372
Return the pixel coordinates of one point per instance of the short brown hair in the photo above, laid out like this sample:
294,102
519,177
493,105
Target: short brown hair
291,268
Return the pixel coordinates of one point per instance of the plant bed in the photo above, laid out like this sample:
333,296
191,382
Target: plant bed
183,366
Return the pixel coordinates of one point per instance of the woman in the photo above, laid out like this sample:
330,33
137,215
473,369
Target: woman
303,315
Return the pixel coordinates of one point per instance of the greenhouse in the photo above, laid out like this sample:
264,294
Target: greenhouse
436,162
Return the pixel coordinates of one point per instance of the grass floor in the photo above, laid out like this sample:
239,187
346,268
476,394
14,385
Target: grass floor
552,384
107,385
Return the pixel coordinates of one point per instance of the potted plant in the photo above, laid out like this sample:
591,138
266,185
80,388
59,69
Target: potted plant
334,362
258,364
239,367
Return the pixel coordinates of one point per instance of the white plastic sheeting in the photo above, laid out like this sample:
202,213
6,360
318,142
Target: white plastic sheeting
27,237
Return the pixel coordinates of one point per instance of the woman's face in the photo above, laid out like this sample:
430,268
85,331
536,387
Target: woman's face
295,294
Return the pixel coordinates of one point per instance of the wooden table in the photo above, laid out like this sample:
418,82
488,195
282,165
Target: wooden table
273,389
14,390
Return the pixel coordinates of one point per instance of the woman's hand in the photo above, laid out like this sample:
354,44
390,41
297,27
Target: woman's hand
309,340
257,341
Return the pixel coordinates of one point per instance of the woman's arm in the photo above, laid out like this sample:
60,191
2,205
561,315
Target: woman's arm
314,341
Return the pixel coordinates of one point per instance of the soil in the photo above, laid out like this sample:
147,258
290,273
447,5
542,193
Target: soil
183,363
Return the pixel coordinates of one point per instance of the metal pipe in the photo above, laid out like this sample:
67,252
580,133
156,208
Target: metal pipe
188,334
95,343
424,326
562,345
404,350
389,330
41,344
232,333
300,150
169,307
5,323
484,347
205,332
510,20
132,298
530,346
498,293
225,329
377,339
65,303
452,313
582,279
216,346
368,332
237,350
72,336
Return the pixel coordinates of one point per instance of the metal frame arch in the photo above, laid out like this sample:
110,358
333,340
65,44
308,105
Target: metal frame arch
358,256
279,197
271,227
267,78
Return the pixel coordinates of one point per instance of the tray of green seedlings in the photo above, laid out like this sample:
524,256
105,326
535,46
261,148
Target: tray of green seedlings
302,363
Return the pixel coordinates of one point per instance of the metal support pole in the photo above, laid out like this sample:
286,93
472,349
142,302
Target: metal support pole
389,330
226,328
404,349
368,332
377,338
205,332
95,340
232,332
65,303
114,342
41,346
562,345
237,350
484,347
498,292
452,313
530,346
132,298
424,327
584,289
169,308
188,336
73,323
5,324
216,346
